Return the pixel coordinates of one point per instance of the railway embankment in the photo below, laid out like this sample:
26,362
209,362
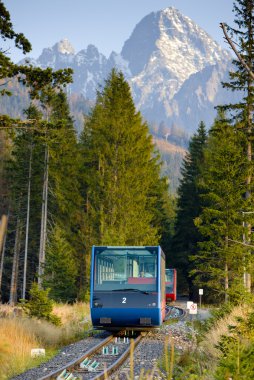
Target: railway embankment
178,346
146,360
178,332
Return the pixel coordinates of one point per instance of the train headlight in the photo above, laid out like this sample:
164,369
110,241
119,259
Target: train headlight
154,304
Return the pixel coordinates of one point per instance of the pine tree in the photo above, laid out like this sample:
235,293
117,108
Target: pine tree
7,68
65,242
18,178
43,84
121,173
17,175
220,259
34,148
64,203
61,267
241,80
34,77
40,306
5,149
186,236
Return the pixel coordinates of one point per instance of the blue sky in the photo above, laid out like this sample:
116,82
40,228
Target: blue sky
107,24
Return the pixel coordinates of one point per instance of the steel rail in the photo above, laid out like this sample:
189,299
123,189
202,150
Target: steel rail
108,371
71,365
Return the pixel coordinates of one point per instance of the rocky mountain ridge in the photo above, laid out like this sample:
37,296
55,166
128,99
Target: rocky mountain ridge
173,66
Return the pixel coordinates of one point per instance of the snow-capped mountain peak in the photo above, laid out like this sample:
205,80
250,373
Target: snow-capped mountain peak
65,47
179,43
166,54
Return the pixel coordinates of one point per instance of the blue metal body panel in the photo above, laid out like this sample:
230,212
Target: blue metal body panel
139,304
129,317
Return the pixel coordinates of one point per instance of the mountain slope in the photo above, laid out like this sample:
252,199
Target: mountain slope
181,50
160,59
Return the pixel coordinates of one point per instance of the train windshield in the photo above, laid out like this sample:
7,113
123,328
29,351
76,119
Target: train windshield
169,280
127,269
169,275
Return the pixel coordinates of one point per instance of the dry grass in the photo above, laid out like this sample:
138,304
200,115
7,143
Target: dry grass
74,318
213,337
78,312
18,335
7,311
16,343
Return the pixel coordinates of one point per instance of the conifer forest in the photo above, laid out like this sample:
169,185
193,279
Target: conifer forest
62,192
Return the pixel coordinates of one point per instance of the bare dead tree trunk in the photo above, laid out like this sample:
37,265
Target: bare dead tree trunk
27,222
226,281
3,226
15,264
3,234
42,225
43,235
2,262
249,178
46,207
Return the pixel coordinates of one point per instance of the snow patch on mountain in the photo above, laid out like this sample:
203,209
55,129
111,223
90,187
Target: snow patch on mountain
65,47
173,66
117,60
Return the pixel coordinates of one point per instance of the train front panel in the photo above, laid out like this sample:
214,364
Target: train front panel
170,283
126,287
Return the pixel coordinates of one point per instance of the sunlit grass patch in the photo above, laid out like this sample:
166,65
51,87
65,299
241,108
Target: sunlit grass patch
220,328
17,340
78,312
19,335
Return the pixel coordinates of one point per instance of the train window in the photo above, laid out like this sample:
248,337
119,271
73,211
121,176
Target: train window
169,275
125,268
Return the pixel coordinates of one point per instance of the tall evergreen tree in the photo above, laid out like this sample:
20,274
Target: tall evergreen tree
5,149
64,222
65,251
7,68
61,267
242,80
121,173
17,176
42,86
34,77
186,236
221,257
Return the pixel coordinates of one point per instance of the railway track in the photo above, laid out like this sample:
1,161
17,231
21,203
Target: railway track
100,361
107,357
111,352
174,312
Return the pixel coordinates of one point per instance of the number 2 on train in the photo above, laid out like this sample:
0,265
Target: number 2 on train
124,300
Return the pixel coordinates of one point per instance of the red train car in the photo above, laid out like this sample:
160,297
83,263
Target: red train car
170,282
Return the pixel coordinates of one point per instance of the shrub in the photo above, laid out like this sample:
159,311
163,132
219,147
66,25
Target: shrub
39,305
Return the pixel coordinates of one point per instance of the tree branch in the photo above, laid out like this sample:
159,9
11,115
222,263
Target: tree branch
223,26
